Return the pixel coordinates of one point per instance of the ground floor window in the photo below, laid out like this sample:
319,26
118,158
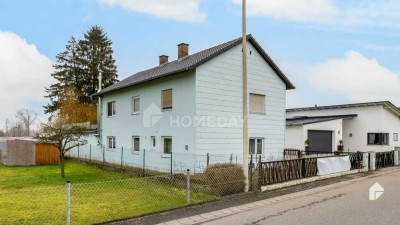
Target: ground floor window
111,142
135,144
256,146
396,137
167,145
378,139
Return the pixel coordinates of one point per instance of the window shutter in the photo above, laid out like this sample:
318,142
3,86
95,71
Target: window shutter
167,99
257,104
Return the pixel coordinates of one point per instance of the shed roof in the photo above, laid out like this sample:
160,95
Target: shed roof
385,104
304,120
191,62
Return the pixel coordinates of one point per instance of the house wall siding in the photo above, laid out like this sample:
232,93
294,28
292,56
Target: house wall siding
124,125
219,95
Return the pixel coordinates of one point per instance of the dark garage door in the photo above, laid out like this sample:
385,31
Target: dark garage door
321,140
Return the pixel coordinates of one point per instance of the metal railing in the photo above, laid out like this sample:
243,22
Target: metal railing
384,159
286,170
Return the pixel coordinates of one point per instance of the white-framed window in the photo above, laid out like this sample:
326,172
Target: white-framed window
111,111
378,139
135,144
257,104
167,145
153,143
135,105
166,99
111,143
256,146
395,136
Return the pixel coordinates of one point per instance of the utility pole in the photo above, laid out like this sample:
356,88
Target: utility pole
244,97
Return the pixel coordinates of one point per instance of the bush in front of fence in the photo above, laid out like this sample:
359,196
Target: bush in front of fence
228,177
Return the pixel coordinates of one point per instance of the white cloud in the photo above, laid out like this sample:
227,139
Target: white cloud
293,10
331,13
180,10
358,78
24,73
371,13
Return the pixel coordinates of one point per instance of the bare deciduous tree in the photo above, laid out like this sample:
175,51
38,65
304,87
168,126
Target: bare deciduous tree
27,117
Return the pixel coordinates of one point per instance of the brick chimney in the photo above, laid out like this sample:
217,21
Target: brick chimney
163,59
183,50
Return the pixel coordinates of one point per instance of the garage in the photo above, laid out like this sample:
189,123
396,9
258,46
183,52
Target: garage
321,140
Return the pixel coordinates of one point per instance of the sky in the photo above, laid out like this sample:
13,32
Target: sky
335,52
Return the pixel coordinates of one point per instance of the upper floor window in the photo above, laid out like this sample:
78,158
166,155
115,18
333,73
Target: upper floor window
111,108
396,137
135,105
257,104
378,139
166,96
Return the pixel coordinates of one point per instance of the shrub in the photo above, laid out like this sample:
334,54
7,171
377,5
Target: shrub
225,178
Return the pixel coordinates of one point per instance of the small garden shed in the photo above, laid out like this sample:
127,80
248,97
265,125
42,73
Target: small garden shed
24,152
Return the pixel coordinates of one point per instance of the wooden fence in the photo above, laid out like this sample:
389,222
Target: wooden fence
46,154
28,152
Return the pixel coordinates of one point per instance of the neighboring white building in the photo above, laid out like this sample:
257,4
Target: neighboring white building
373,126
193,106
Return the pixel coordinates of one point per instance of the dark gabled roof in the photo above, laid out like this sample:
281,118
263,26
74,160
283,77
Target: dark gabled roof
303,120
385,104
191,62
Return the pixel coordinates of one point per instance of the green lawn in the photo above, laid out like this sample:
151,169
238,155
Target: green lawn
36,195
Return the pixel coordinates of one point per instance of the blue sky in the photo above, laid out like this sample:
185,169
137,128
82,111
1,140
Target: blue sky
334,51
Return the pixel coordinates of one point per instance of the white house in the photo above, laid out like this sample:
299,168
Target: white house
373,126
193,106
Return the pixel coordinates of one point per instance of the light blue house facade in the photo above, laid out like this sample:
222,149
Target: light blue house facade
192,107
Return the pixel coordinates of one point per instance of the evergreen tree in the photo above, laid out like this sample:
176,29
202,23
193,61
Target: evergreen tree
65,74
79,65
96,56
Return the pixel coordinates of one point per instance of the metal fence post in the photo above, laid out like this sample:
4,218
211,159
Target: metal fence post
78,152
188,187
68,209
144,161
90,152
122,156
303,168
250,177
171,164
208,159
104,149
260,173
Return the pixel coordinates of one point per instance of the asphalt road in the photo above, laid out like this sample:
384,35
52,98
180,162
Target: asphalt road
347,204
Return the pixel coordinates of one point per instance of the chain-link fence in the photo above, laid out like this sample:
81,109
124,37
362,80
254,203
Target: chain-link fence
150,162
87,203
